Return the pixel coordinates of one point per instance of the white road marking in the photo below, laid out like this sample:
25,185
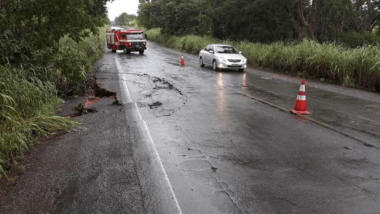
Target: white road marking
126,98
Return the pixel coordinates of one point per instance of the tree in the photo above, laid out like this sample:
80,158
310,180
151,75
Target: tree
263,20
254,20
303,23
151,14
369,14
124,19
40,24
175,17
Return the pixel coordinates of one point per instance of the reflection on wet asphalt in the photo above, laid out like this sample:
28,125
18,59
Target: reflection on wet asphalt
227,153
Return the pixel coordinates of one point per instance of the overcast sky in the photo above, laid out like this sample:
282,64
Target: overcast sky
118,7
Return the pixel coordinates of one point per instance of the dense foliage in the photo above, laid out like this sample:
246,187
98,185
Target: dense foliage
46,47
266,21
124,19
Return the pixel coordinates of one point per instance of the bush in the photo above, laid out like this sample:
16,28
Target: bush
71,63
354,39
74,59
12,50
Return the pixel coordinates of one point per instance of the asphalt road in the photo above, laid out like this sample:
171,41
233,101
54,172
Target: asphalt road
225,151
191,140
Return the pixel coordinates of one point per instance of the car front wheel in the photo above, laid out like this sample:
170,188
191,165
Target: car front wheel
201,62
241,70
214,67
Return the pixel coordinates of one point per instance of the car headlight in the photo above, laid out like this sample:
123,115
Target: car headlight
221,59
244,60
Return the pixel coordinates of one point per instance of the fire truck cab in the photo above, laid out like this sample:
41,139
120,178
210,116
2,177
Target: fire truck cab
127,40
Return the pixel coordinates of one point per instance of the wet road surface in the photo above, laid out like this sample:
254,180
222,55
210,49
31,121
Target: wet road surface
191,140
224,151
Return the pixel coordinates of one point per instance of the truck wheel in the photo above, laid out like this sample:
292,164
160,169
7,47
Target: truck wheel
113,51
128,52
141,52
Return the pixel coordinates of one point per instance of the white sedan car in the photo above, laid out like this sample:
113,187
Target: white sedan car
221,56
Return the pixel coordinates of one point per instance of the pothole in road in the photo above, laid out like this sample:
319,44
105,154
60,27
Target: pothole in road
92,96
161,96
101,92
155,105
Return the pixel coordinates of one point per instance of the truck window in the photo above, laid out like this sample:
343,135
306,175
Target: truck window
135,36
123,36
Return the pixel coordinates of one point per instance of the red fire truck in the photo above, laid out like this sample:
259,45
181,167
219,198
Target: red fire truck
127,40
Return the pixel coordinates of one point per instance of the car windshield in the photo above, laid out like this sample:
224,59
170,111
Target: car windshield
135,36
225,49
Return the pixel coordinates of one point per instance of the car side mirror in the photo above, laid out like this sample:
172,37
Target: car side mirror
240,52
211,51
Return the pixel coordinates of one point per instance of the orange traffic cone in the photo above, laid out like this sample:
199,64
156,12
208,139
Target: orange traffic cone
182,61
300,106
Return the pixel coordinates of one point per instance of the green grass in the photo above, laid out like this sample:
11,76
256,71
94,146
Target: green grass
28,107
28,97
351,67
190,43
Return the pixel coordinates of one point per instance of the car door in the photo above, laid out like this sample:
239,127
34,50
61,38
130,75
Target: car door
209,55
205,55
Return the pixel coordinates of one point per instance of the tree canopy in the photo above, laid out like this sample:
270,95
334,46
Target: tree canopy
27,25
124,19
263,20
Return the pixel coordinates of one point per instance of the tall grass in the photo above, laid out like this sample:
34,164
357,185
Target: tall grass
346,66
28,97
190,43
27,111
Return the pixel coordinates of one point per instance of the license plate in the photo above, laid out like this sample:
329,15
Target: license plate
235,65
137,46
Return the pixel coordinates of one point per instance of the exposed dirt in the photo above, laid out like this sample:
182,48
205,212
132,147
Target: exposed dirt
101,92
91,97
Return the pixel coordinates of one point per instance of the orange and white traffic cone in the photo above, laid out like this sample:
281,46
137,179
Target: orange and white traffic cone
300,106
182,61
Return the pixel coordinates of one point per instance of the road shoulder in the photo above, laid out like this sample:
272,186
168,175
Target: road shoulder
91,170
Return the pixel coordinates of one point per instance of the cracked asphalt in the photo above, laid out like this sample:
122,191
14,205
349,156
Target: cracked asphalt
191,140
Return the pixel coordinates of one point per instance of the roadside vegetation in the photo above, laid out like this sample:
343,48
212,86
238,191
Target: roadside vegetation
328,62
334,41
44,56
